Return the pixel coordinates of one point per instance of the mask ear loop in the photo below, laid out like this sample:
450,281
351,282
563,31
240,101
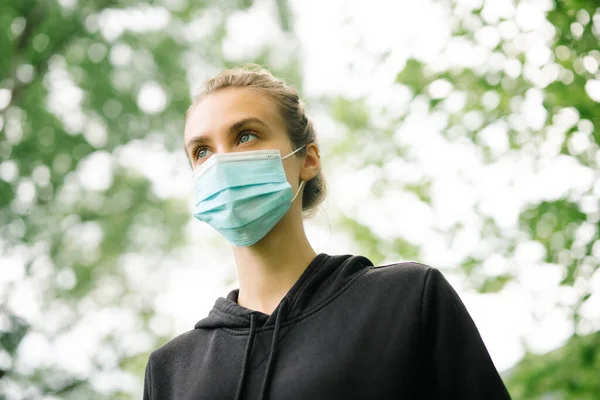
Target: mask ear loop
293,152
298,192
301,183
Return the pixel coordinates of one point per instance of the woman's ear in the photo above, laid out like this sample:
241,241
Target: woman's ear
312,163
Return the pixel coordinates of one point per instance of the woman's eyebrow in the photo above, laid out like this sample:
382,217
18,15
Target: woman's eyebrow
233,129
197,140
236,126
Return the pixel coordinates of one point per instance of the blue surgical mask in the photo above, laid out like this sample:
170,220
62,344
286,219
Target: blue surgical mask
243,195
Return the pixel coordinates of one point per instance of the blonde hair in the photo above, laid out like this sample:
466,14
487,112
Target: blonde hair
300,128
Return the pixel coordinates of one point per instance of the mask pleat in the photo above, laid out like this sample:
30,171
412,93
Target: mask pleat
235,216
236,195
231,176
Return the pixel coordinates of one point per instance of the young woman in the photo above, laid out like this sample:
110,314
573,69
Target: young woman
303,325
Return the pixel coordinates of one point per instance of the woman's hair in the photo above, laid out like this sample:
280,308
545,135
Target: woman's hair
299,126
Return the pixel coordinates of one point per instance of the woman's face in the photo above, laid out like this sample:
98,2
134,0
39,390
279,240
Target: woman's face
233,120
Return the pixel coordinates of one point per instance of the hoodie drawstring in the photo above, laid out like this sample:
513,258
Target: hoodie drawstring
240,388
272,354
268,374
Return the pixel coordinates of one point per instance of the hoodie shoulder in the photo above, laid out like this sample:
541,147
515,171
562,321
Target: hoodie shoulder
177,346
405,271
399,280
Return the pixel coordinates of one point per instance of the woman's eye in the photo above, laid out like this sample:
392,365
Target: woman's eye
247,137
202,152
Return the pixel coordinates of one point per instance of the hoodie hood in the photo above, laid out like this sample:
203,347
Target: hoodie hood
323,277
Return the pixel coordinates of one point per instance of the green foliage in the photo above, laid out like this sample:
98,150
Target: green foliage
74,74
495,283
376,248
570,372
9,340
364,238
494,95
413,76
352,112
554,225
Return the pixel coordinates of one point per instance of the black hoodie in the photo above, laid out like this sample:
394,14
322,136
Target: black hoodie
345,330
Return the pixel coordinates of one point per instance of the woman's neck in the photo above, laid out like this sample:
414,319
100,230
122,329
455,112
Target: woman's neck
269,269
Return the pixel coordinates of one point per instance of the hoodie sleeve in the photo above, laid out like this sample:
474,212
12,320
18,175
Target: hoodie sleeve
147,381
457,357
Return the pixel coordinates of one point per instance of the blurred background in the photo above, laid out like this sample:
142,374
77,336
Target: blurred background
462,134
